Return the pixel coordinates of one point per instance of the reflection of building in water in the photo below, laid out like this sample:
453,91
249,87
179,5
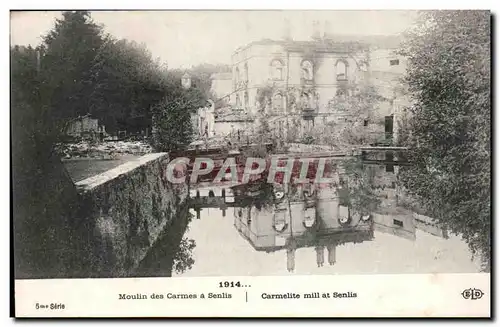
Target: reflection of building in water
317,216
398,222
404,223
317,219
290,259
320,255
211,197
299,219
390,217
428,225
332,250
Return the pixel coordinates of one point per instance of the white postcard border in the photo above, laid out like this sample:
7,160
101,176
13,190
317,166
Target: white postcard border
402,295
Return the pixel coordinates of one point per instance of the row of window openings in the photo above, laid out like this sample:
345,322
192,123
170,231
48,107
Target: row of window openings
307,73
277,102
277,70
238,101
306,70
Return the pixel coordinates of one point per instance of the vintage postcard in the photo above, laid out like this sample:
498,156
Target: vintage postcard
234,163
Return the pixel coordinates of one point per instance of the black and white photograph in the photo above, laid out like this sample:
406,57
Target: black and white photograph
218,143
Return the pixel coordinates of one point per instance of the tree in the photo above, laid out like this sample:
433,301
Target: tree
183,257
84,71
127,84
49,85
263,99
449,78
44,198
75,71
69,52
201,78
173,128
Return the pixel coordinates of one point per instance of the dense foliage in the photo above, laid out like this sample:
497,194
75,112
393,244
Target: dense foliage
365,127
79,70
450,123
183,258
172,125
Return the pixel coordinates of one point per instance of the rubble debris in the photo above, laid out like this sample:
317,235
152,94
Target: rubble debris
103,150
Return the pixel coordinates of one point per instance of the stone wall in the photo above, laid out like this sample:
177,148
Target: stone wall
124,212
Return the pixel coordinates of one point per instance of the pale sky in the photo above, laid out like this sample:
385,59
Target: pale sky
186,38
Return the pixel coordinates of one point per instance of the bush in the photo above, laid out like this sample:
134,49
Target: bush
307,139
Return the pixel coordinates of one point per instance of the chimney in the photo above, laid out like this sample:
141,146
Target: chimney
326,30
316,33
287,35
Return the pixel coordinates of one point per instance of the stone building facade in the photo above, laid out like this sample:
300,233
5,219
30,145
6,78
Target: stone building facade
296,83
204,121
305,84
387,68
222,87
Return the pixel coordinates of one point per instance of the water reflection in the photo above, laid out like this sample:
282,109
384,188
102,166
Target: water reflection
172,252
352,225
302,217
288,223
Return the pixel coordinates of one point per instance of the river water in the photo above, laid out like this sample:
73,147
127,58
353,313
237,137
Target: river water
355,223
303,236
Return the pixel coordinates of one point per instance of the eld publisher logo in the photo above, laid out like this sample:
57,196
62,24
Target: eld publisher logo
472,294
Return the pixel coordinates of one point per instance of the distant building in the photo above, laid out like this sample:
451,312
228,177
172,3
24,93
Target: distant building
204,121
85,127
186,80
387,67
221,87
303,84
317,75
228,121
